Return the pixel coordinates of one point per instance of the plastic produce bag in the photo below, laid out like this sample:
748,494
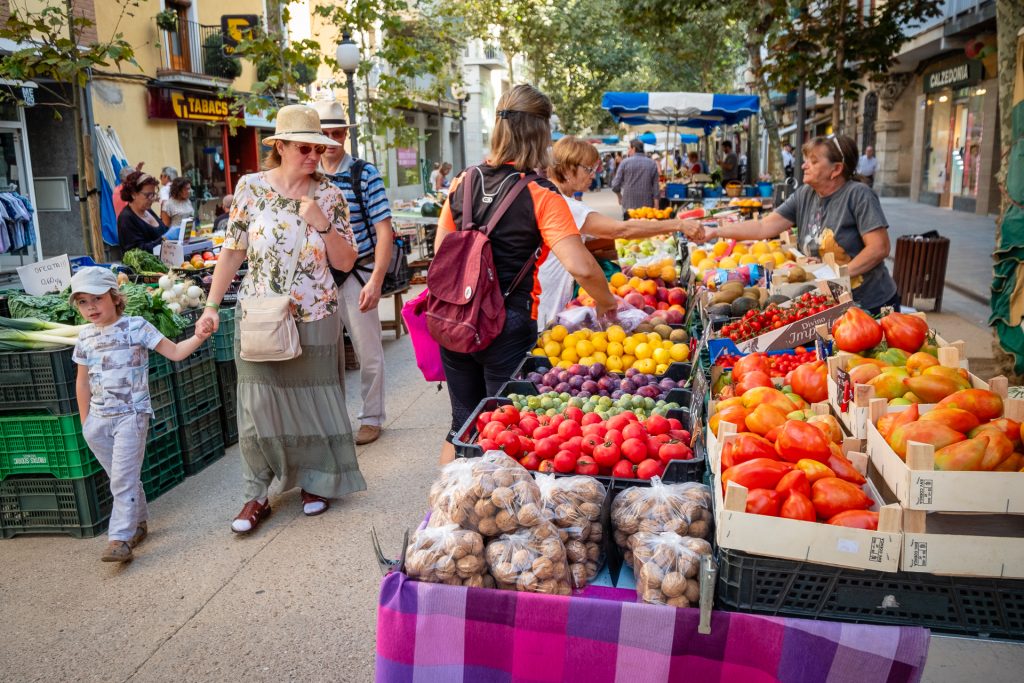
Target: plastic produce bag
573,504
669,568
531,561
684,509
492,495
448,554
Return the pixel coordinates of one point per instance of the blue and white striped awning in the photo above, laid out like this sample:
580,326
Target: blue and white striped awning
683,109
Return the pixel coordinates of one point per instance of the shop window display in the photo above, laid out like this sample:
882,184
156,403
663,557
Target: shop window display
952,158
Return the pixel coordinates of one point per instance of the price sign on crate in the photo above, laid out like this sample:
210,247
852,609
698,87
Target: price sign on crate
698,390
43,277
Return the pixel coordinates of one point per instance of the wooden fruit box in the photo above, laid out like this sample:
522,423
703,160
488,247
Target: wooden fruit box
854,417
963,544
917,485
837,277
798,540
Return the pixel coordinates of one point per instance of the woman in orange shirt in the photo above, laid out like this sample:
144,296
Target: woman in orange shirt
538,218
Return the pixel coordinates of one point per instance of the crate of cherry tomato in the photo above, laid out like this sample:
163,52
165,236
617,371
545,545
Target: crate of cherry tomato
780,327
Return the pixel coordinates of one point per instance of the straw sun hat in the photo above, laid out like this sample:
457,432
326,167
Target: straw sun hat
332,114
299,123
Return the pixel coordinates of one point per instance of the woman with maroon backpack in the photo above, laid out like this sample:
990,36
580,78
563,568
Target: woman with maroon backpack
500,222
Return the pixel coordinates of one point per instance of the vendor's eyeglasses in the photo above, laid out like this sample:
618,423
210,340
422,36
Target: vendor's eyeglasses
591,170
149,195
305,150
835,141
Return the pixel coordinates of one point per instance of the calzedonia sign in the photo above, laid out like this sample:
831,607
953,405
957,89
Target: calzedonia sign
168,103
960,75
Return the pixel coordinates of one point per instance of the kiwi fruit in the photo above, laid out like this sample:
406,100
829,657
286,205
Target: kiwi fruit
731,285
644,328
726,296
720,310
741,305
663,331
778,299
679,337
797,274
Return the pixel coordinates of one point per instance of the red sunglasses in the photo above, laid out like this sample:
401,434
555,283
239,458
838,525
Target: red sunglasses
304,150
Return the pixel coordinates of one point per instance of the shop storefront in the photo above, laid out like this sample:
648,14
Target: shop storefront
958,137
19,233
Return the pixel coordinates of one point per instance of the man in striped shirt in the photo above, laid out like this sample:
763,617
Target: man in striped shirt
636,180
359,290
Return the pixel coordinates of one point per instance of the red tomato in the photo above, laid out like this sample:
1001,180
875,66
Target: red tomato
525,444
597,429
569,429
532,462
506,414
673,423
586,465
590,442
634,430
649,468
488,445
614,435
508,442
529,423
634,450
607,454
624,469
674,450
794,482
798,506
656,424
546,448
590,419
545,466
574,445
492,429
754,361
763,502
483,421
856,331
565,461
573,413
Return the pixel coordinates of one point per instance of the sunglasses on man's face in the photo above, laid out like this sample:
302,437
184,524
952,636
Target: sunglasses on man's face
305,150
336,133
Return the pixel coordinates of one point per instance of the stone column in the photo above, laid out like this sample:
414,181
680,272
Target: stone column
918,148
988,188
888,148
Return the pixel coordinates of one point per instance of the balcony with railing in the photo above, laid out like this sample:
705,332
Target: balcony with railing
195,52
955,16
486,55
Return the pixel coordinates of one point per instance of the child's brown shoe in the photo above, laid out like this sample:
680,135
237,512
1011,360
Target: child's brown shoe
117,551
139,536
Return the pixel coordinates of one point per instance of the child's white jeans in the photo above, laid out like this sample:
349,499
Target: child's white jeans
119,443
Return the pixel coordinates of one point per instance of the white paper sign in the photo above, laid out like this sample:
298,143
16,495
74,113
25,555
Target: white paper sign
172,253
44,277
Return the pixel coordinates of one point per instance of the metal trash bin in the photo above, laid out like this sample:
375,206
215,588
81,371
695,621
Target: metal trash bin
920,268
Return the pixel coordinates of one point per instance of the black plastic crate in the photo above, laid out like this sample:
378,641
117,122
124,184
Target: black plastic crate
195,391
675,472
46,505
38,380
680,372
227,380
162,468
202,442
949,604
229,424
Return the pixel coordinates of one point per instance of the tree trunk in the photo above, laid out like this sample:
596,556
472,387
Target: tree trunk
837,95
83,186
771,126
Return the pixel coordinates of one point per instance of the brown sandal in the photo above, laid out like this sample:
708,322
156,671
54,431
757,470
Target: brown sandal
308,498
253,512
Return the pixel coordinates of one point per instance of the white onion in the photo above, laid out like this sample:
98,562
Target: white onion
169,295
166,282
193,302
193,292
179,287
175,307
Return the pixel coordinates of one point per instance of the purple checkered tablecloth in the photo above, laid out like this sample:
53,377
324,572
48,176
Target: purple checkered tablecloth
430,633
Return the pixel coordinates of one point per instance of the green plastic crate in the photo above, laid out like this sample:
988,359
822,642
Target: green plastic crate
162,468
202,442
195,391
224,337
46,505
40,443
165,414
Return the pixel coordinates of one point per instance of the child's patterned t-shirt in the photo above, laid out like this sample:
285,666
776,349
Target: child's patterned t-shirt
117,357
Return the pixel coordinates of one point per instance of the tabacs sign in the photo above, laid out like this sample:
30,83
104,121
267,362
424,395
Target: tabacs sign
166,103
959,75
235,28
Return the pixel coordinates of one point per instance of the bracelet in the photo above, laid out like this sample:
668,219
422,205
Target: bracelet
210,304
325,231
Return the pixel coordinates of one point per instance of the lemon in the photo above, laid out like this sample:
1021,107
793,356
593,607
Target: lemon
540,352
584,333
599,341
615,333
661,370
600,357
627,361
552,349
653,338
614,349
618,279
570,355
558,333
759,248
614,363
584,348
704,264
554,360
720,248
739,250
728,262
564,364
747,259
587,360
661,356
666,344
645,365
643,351
765,259
780,258
629,347
679,353
570,341
698,255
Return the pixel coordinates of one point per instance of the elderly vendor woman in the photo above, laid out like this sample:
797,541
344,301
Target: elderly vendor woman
831,202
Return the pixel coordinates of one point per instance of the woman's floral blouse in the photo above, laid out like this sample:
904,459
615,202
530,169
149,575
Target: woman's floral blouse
267,225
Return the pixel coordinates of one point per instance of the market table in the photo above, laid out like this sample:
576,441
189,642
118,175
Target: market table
434,632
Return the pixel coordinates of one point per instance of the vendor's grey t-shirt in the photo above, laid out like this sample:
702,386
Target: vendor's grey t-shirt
850,211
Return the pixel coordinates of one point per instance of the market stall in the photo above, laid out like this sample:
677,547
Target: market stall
706,477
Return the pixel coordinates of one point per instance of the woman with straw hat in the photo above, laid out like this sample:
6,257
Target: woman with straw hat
292,421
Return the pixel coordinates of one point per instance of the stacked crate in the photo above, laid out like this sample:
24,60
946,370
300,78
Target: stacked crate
49,480
227,374
197,405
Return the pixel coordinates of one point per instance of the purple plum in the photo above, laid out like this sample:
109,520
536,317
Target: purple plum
564,376
617,395
597,371
563,388
576,382
627,386
591,386
631,373
535,377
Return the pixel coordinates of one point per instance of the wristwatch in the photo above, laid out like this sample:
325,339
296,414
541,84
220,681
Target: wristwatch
325,231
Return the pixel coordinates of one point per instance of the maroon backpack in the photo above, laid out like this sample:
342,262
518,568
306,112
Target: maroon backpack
465,306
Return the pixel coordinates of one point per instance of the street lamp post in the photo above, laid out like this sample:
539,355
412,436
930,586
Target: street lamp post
461,96
348,60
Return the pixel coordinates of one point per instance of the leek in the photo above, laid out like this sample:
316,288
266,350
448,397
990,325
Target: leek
20,334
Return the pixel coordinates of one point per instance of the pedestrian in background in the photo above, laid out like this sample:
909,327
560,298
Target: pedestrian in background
359,290
177,207
537,219
433,175
120,203
867,165
442,182
112,354
168,174
292,421
138,227
636,180
221,221
729,163
788,160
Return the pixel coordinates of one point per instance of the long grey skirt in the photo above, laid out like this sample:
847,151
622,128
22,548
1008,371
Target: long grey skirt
292,420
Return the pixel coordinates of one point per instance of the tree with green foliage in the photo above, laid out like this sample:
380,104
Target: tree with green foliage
414,60
51,48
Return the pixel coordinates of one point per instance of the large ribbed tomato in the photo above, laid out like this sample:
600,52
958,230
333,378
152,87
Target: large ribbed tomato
856,331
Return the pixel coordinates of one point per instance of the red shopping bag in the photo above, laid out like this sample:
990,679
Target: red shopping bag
428,352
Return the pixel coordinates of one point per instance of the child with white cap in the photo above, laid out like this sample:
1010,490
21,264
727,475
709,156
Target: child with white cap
113,396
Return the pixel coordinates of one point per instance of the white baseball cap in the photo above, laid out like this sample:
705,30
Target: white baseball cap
93,280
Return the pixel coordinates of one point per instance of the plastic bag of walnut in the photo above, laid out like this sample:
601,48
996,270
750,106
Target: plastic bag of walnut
492,495
448,554
531,560
573,504
681,508
669,568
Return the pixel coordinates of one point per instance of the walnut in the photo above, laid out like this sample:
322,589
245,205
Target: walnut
673,585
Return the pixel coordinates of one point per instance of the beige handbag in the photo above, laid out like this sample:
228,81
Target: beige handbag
267,328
